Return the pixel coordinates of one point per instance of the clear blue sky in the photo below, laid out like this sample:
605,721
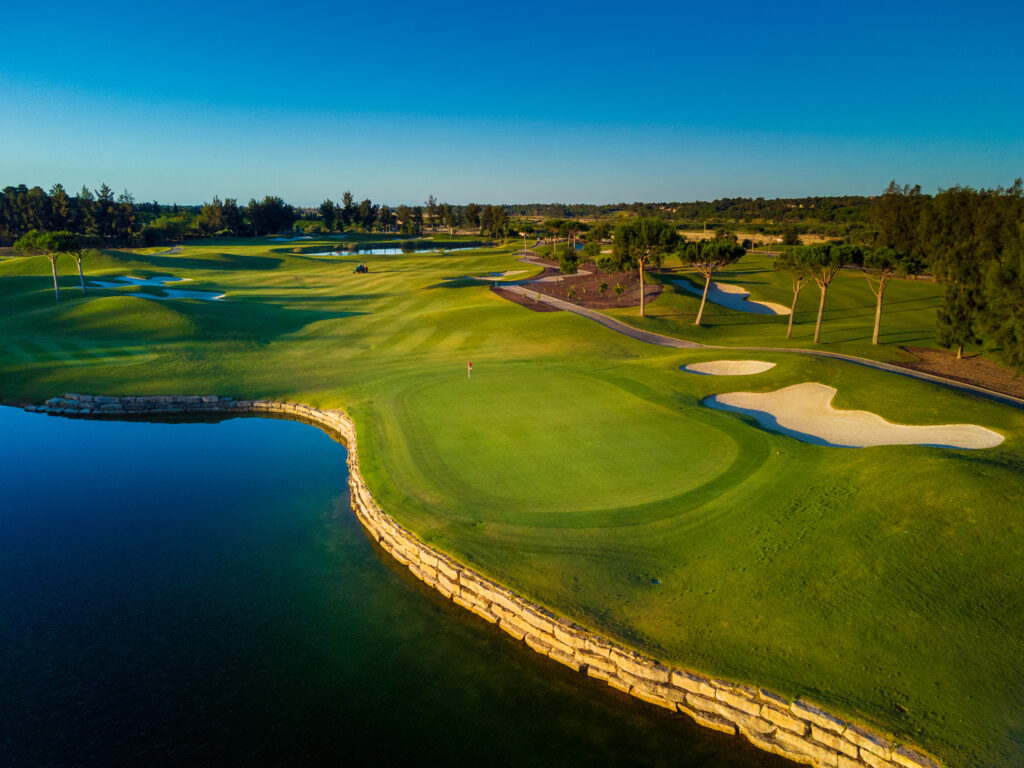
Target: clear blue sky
504,102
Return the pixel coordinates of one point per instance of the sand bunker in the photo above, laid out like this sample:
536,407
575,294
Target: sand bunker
805,411
729,367
161,282
734,297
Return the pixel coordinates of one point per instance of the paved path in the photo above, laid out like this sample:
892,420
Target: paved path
649,337
608,322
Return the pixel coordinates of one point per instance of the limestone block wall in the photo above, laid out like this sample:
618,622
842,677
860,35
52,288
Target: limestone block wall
797,730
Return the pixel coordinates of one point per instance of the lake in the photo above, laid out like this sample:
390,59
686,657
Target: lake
201,594
393,251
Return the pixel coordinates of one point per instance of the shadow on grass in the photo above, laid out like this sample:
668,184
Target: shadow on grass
258,322
227,261
458,282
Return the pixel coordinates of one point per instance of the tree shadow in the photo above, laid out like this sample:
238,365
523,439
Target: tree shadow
228,261
257,322
459,282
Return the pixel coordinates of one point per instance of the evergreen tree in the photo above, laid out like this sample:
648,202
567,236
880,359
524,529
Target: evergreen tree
232,218
384,218
708,257
103,211
881,265
825,262
349,210
795,265
36,243
367,215
643,241
86,213
328,211
431,211
61,217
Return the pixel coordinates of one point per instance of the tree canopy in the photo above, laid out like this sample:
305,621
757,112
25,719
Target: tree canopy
644,241
708,257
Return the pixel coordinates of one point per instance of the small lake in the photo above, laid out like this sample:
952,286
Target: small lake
392,251
201,594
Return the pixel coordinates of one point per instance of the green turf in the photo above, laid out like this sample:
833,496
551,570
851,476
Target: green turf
908,316
579,467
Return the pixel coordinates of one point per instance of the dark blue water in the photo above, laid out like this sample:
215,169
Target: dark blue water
393,251
200,594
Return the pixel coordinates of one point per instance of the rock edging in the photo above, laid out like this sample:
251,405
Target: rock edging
796,730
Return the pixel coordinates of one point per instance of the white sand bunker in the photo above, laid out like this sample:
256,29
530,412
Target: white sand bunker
734,297
729,367
805,411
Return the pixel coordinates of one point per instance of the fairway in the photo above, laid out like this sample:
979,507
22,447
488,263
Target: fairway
582,469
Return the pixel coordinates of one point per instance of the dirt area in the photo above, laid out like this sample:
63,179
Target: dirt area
975,370
515,298
588,287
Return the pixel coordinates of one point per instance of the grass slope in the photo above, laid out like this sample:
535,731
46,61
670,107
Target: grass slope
579,467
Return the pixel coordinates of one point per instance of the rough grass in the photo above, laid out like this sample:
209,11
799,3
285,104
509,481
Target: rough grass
579,466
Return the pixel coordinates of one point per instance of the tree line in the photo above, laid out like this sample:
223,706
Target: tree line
100,213
972,241
119,220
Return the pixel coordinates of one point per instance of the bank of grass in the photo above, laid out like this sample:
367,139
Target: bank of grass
579,467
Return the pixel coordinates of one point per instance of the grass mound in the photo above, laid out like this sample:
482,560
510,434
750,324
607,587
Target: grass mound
119,317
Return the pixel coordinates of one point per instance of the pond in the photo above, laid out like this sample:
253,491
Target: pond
392,251
201,594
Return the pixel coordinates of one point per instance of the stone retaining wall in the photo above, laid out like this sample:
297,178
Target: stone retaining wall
796,730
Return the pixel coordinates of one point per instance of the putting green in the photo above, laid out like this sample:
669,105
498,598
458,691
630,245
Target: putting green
583,445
